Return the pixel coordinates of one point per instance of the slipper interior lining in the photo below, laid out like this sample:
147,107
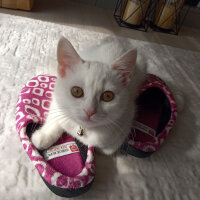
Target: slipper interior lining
69,165
153,111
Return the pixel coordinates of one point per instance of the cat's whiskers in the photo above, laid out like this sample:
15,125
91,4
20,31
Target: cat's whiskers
59,117
116,125
60,109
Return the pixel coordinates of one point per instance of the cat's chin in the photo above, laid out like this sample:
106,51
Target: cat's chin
90,123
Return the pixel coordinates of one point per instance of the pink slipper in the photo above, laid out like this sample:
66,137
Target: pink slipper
155,117
67,167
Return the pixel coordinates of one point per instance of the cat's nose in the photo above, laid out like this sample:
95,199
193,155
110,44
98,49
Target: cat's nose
90,112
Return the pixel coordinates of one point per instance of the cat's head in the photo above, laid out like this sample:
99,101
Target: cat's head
92,93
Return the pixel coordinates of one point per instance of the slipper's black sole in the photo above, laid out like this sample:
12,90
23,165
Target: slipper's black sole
66,192
57,190
128,149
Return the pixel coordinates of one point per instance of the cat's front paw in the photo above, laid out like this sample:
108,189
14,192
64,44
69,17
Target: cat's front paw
40,141
108,151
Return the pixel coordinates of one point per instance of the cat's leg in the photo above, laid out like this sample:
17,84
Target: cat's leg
108,151
47,135
111,149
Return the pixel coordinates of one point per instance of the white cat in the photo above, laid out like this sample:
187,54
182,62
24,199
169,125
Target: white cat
94,94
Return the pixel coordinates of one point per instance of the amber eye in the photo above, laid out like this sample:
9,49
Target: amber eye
107,96
77,91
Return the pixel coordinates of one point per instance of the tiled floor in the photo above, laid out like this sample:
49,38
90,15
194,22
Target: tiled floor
101,20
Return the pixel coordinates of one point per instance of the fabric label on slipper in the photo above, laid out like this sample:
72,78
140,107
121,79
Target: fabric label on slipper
145,129
60,150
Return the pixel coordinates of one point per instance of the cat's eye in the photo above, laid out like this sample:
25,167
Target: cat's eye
77,91
107,96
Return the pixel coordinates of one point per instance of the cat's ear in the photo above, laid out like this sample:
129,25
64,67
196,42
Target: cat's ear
125,65
67,56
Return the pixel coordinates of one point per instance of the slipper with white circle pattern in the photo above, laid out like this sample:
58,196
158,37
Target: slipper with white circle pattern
156,115
68,166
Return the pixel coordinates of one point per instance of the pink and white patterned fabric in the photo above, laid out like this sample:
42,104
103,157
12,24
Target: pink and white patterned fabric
32,107
155,143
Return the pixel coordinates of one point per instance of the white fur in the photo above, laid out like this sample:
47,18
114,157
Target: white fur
112,122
